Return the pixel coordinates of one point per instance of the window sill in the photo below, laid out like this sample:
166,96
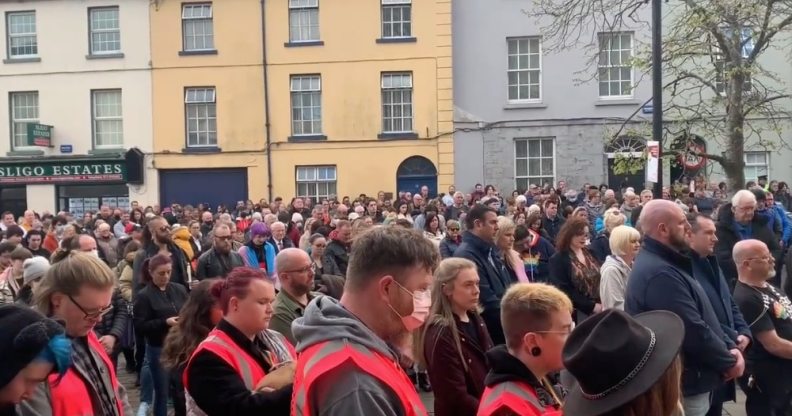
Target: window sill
202,52
105,56
307,138
25,153
397,136
306,43
410,39
202,150
617,101
21,60
105,152
522,106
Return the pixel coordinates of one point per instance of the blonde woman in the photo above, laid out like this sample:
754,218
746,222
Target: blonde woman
504,240
600,247
455,340
624,244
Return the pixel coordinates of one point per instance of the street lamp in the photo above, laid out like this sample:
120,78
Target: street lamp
657,89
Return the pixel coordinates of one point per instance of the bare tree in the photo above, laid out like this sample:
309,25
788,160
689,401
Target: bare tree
714,83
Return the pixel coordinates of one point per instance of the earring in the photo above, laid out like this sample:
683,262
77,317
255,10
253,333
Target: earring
536,351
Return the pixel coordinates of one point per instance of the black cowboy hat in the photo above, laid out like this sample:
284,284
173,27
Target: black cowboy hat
615,358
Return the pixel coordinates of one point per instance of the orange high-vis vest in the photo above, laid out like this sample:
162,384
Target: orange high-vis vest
71,396
515,396
326,356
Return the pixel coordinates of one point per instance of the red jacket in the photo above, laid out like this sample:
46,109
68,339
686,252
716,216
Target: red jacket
514,396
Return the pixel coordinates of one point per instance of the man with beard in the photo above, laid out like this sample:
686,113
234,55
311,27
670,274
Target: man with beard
662,279
295,274
156,240
220,259
207,223
337,250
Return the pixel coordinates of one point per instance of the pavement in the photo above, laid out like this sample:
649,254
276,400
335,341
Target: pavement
128,380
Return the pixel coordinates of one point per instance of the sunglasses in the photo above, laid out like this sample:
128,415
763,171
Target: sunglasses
453,229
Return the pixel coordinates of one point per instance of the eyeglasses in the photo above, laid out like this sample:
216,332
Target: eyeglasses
453,229
222,237
164,228
306,269
91,316
562,332
765,259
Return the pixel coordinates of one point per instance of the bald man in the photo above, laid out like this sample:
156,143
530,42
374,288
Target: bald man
296,277
769,312
108,244
662,279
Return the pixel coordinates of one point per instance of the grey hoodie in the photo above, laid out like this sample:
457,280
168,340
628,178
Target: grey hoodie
348,390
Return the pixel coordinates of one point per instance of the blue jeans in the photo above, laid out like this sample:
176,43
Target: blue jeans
159,379
146,384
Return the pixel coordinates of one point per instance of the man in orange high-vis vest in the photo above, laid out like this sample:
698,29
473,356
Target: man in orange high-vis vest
346,364
78,291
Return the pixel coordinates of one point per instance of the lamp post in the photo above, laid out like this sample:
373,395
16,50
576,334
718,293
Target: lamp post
657,88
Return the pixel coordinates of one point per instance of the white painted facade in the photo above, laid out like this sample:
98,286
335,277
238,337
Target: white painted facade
64,73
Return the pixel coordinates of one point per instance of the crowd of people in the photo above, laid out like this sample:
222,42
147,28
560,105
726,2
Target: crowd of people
551,301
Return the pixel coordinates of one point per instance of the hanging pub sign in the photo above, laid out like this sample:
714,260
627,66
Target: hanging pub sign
39,135
64,171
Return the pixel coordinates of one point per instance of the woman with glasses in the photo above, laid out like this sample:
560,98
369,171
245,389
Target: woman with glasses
574,270
78,291
328,278
452,240
241,368
156,310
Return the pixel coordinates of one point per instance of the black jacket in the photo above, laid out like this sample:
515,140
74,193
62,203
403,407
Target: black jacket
728,237
154,306
287,243
115,323
506,367
210,265
561,275
600,247
448,247
662,279
218,389
178,274
337,253
552,226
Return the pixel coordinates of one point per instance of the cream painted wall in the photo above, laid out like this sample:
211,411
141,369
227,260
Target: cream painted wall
42,198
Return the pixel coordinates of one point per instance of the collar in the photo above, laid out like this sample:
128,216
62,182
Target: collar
295,306
476,241
506,367
236,335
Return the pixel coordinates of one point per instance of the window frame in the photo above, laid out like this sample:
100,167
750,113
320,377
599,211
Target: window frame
528,177
95,119
719,80
746,165
528,70
391,90
92,31
609,66
396,4
187,104
295,7
315,181
292,92
13,120
185,20
9,36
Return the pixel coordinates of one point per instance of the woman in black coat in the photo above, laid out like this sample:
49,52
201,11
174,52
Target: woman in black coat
574,270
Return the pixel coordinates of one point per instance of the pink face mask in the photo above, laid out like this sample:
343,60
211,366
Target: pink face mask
422,303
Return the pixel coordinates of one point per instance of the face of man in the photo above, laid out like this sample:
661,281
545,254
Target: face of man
551,210
125,218
417,200
459,199
278,232
744,211
298,203
8,219
479,188
646,197
222,240
425,191
195,230
631,201
451,189
34,242
206,217
104,231
677,229
400,297
105,211
87,244
160,231
344,233
486,228
561,185
760,264
29,217
301,275
703,240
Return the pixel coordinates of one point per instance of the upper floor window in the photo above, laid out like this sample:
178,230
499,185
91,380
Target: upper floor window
746,45
201,117
316,182
197,27
108,122
396,19
303,20
24,111
615,64
756,164
306,101
397,102
21,30
525,69
105,36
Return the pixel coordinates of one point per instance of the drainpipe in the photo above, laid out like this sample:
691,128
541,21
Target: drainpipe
266,99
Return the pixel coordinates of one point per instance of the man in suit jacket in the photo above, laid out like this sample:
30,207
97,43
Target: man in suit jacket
278,239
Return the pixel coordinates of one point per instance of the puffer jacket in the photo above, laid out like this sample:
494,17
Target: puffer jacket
125,275
181,237
115,322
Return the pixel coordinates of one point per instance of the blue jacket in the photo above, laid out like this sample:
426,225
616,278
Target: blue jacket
662,279
786,224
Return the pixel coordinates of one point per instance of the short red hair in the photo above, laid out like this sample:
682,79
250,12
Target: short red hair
236,284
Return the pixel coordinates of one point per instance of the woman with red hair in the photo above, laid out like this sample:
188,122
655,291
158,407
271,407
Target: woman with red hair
241,368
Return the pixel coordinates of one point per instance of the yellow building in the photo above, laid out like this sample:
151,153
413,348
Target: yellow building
358,94
361,96
208,101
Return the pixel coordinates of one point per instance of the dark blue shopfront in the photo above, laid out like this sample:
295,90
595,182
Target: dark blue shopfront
208,186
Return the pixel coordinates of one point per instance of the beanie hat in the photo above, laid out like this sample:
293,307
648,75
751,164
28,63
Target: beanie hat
24,334
259,228
521,199
34,268
297,217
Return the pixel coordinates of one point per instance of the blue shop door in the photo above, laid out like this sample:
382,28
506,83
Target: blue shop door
415,172
209,186
413,184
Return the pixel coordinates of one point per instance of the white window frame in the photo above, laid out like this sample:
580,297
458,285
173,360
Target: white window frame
404,25
756,166
10,37
747,41
519,71
301,24
389,123
297,94
539,158
22,121
206,20
98,121
310,176
95,31
195,100
605,39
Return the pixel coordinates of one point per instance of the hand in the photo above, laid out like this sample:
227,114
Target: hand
738,368
108,342
598,308
278,378
742,342
172,321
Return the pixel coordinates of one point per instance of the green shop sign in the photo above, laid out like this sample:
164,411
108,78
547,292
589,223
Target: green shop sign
64,171
39,135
